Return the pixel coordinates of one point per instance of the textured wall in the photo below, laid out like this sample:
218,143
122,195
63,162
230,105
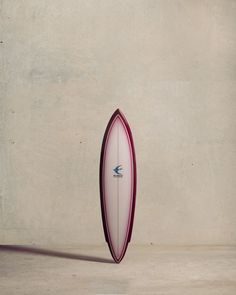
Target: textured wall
67,65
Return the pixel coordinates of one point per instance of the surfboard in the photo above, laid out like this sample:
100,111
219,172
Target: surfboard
118,180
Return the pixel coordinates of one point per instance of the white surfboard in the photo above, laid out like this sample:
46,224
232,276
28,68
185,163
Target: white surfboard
118,184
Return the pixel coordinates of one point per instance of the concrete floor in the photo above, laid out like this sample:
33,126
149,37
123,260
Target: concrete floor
144,270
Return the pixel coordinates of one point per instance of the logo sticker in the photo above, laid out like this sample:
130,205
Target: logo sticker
117,170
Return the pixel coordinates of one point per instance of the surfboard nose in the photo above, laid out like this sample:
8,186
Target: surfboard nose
117,111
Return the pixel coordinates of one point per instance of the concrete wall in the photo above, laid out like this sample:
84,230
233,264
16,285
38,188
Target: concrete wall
67,65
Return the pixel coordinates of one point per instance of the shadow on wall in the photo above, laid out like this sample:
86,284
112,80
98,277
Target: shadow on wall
46,252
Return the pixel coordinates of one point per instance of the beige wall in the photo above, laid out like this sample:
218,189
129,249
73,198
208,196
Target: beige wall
67,65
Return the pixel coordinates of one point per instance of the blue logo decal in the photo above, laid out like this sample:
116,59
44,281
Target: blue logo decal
118,169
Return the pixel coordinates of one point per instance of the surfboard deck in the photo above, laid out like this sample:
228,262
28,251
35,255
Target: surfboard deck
118,179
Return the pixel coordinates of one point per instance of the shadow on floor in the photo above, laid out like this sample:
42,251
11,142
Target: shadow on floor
52,253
